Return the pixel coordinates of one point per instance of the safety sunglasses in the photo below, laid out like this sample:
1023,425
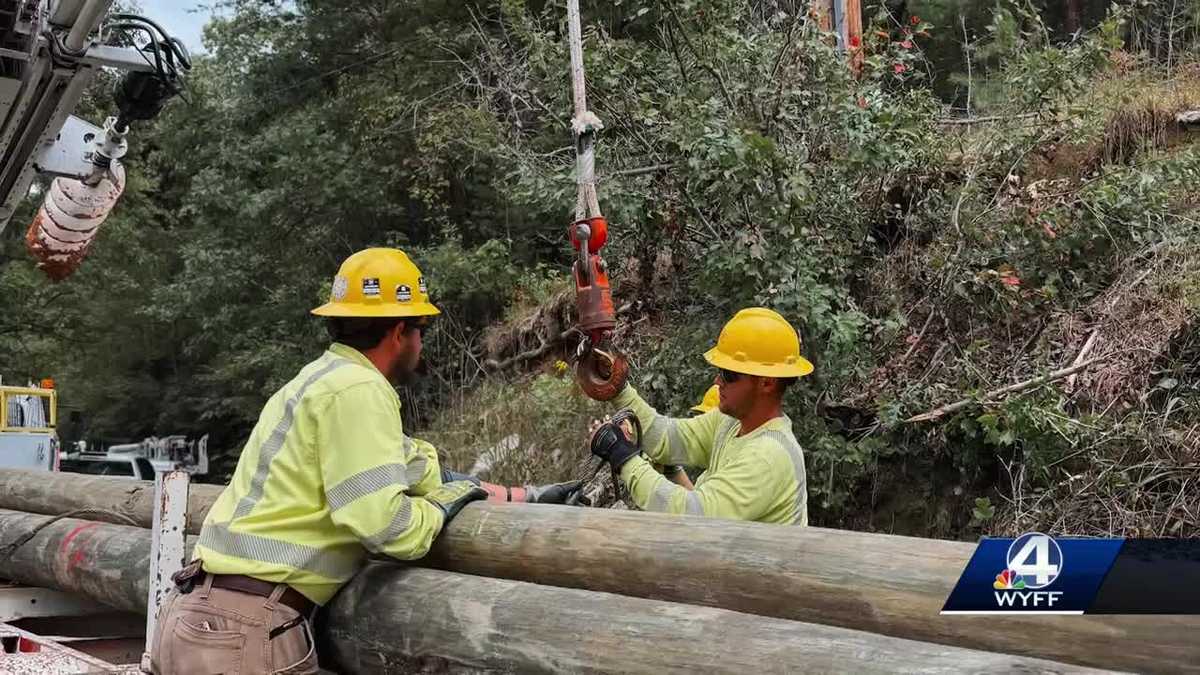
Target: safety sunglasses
421,327
728,376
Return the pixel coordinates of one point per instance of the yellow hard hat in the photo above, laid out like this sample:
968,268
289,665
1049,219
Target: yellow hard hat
758,341
711,398
378,282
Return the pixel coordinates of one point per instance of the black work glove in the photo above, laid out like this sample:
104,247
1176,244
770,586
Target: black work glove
610,444
453,496
555,493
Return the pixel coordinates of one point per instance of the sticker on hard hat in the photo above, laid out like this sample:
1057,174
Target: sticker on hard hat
371,287
421,285
403,293
340,286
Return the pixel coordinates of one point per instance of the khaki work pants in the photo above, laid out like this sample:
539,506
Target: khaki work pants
215,631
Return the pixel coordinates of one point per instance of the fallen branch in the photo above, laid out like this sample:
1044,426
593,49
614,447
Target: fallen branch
1083,354
989,118
540,350
920,336
641,170
1012,388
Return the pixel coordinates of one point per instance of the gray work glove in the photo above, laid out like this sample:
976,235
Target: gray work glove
453,496
554,493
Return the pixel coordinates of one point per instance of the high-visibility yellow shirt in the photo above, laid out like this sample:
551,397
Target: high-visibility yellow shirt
326,476
758,476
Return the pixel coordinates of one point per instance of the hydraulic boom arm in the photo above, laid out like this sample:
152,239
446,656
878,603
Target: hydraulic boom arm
49,52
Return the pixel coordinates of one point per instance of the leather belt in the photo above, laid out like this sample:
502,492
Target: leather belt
244,584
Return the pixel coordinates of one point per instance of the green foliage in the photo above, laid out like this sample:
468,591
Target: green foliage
742,163
471,284
983,512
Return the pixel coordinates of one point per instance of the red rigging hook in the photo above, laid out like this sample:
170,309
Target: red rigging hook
601,374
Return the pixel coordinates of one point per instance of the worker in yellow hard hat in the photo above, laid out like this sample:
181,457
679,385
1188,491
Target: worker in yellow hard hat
327,476
754,466
712,396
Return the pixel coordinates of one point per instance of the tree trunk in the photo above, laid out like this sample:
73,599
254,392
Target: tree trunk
1073,17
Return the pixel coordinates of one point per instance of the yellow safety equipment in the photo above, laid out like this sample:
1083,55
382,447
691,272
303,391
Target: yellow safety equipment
758,476
378,282
326,476
758,341
712,398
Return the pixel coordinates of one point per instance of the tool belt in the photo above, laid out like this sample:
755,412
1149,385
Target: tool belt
192,575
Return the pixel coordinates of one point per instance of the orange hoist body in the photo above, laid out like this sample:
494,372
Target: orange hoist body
593,293
601,374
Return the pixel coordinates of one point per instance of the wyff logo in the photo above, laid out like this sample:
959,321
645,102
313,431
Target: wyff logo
1034,561
1030,575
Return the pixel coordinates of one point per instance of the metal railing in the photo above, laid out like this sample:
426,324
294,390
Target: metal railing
50,408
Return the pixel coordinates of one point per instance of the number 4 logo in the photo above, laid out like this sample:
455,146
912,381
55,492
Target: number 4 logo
1037,559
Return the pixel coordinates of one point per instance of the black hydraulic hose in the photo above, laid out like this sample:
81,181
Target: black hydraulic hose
176,46
158,67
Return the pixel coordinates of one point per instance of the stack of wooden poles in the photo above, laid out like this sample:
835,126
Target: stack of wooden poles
540,589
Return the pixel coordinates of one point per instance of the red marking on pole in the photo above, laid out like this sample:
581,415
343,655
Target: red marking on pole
66,542
64,551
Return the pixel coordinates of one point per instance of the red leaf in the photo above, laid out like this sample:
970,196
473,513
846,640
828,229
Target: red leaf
914,19
907,44
899,68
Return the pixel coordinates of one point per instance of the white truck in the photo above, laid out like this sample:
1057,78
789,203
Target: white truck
168,453
29,440
120,466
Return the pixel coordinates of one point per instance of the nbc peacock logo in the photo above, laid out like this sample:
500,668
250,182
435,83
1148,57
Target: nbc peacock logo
1008,580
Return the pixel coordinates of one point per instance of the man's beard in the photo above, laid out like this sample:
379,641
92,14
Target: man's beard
402,376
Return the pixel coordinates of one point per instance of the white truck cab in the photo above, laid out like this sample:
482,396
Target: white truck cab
107,464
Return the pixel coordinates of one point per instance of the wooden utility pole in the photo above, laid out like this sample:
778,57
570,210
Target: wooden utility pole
844,19
753,574
853,34
392,618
